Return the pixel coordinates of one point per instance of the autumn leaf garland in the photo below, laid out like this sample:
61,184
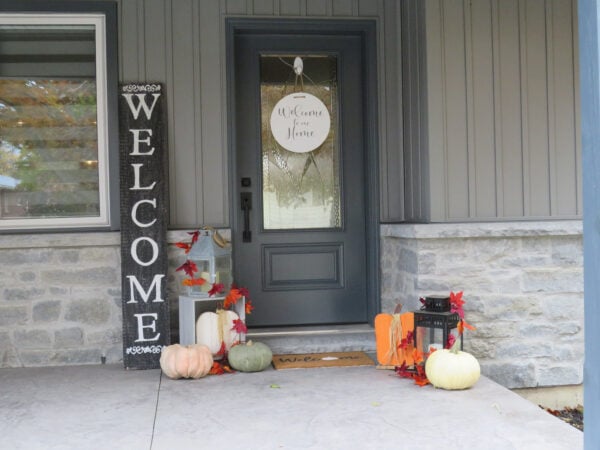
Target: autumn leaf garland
190,269
417,372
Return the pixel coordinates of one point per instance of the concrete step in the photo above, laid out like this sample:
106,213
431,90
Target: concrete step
316,339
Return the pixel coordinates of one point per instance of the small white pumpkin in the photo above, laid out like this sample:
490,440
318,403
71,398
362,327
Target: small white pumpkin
191,361
212,329
452,369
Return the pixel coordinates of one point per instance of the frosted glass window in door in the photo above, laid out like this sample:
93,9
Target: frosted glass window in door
301,158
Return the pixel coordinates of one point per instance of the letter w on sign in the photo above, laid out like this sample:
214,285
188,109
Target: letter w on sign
144,214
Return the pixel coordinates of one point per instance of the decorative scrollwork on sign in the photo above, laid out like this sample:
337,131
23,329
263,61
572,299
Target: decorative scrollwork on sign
128,88
138,349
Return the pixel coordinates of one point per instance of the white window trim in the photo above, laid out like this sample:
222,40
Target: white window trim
103,219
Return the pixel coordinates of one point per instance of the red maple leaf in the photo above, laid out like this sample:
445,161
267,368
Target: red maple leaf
456,304
223,350
216,288
403,371
408,340
239,326
189,267
194,235
451,341
244,292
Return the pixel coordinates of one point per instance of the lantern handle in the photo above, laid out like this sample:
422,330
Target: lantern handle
217,237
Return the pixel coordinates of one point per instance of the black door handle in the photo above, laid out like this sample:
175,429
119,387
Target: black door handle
246,201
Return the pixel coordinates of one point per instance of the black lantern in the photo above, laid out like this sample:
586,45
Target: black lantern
433,325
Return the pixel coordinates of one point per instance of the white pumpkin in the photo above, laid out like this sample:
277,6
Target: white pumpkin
452,369
181,361
212,329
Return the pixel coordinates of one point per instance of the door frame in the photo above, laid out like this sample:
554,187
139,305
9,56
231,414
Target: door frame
367,30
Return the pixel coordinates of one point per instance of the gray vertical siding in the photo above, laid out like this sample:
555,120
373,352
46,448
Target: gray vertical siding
502,109
181,43
478,102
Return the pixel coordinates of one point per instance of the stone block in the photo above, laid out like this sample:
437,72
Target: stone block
97,276
48,311
58,291
569,328
9,357
114,354
68,337
77,356
567,251
555,280
560,375
519,349
560,307
107,337
427,263
528,329
27,276
510,375
34,339
68,256
11,316
407,261
510,307
36,358
428,284
494,330
480,348
88,311
23,294
20,257
536,245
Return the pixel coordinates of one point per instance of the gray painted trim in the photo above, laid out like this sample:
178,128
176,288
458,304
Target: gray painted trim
589,47
367,30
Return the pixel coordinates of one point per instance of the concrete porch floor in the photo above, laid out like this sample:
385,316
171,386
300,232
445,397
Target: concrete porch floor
106,407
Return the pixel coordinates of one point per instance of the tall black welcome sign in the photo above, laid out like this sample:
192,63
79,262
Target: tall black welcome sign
143,177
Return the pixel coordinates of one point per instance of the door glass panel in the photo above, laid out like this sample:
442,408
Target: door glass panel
300,184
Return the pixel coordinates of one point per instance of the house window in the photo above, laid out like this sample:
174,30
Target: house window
54,122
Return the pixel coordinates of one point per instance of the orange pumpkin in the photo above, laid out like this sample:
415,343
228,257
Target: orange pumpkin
390,329
192,361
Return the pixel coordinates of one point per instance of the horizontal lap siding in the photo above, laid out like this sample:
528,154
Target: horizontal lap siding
503,113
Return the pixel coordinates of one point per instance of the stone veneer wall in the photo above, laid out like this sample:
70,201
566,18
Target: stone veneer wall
523,283
60,294
60,298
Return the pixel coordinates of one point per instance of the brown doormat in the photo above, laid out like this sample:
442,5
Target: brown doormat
334,359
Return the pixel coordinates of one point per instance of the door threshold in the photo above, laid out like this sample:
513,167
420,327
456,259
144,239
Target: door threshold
310,330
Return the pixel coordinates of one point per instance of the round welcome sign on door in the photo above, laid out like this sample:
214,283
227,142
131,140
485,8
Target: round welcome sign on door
300,122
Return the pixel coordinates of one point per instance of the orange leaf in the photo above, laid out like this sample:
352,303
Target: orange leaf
417,356
421,381
194,281
184,245
249,307
232,297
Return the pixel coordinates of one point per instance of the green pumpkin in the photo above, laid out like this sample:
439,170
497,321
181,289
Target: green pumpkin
250,357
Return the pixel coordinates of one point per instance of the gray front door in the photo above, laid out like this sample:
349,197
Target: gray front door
299,216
